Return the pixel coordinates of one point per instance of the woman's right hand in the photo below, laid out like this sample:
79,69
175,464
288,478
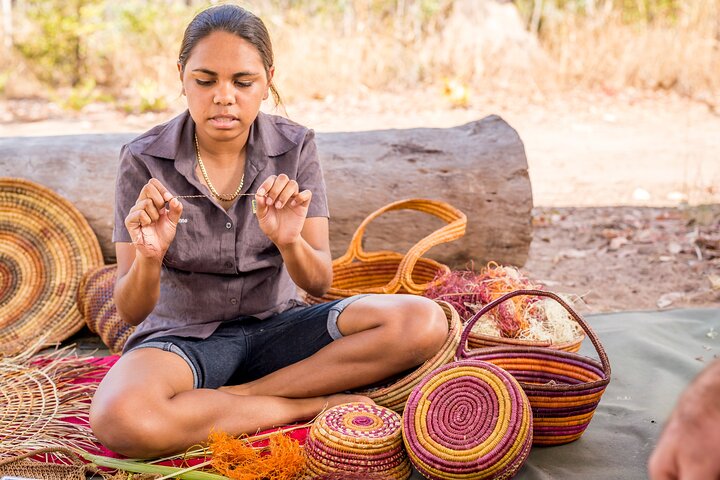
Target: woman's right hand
152,226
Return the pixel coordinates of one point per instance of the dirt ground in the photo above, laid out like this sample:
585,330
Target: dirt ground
626,184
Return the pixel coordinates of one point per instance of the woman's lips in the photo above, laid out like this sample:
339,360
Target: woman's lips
223,121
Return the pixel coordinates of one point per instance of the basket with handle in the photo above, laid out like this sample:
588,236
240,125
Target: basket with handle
564,388
358,271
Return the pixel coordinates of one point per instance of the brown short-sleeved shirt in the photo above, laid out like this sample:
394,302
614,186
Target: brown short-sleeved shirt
220,266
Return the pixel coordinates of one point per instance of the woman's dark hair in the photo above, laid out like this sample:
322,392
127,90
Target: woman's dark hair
231,19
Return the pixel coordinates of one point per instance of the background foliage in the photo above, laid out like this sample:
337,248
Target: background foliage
81,51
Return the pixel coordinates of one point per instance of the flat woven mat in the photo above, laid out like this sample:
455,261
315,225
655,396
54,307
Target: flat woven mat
45,247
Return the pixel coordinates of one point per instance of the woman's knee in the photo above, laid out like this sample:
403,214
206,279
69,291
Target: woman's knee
419,327
126,426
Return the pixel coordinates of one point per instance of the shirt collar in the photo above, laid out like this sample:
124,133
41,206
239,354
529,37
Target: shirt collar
176,142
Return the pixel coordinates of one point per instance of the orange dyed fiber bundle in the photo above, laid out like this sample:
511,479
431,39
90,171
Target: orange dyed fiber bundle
468,291
282,459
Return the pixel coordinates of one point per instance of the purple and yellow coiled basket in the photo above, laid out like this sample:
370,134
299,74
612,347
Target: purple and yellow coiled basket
357,438
468,419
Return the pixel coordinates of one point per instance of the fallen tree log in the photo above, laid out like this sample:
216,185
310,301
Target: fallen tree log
480,168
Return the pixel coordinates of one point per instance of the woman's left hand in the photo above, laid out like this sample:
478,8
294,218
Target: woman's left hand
282,209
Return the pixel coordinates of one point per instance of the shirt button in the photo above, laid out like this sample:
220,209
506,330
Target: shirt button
233,301
228,225
228,264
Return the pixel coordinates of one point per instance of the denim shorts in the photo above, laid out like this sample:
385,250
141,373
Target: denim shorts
248,348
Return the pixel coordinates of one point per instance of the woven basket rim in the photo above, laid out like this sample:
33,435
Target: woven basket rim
71,247
526,343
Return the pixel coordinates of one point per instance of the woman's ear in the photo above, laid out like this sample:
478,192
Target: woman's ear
271,74
180,73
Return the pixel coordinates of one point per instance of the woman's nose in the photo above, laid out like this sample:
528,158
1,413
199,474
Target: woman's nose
224,95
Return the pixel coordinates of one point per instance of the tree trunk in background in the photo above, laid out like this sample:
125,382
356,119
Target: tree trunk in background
480,168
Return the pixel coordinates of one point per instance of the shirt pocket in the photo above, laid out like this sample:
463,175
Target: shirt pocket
256,249
195,247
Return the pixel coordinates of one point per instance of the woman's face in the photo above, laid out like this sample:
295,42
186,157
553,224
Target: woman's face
225,82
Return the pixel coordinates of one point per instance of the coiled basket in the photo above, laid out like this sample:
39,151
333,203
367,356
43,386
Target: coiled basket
564,388
357,438
96,304
468,420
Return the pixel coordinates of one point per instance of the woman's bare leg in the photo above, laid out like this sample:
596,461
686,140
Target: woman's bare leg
146,407
382,335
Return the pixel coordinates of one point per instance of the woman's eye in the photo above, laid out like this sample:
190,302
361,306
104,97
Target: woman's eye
203,83
243,84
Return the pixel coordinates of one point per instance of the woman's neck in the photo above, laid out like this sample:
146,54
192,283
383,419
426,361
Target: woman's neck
222,152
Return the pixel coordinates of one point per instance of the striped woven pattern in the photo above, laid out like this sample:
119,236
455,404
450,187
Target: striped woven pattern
358,271
394,394
46,245
357,438
469,419
96,304
564,388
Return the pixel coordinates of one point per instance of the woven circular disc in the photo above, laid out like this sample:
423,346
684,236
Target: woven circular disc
45,247
468,419
358,437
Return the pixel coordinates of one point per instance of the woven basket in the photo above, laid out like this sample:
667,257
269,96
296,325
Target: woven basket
46,245
394,395
27,469
96,304
469,419
357,438
564,388
358,271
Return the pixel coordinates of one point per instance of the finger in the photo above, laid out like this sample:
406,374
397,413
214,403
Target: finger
265,187
303,198
175,210
707,468
260,205
165,195
277,188
661,468
150,192
290,191
148,206
662,465
138,218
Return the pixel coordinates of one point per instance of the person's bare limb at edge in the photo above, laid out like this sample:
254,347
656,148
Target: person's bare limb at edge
689,447
211,283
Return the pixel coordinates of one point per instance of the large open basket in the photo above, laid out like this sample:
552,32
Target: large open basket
358,271
46,245
564,388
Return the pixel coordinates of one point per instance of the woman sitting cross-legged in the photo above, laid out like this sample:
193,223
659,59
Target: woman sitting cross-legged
222,340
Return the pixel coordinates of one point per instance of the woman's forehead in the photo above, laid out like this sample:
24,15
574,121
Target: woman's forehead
224,52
